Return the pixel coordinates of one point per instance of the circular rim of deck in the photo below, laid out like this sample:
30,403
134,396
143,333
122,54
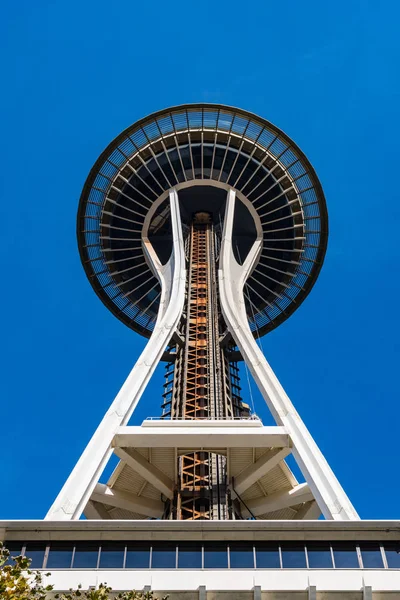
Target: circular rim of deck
265,147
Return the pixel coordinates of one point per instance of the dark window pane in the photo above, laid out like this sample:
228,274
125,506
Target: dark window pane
60,555
393,555
36,553
319,556
267,556
15,549
112,556
138,556
215,556
189,556
163,556
371,556
241,556
345,556
293,556
86,556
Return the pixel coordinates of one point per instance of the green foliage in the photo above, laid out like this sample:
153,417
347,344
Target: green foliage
103,593
18,582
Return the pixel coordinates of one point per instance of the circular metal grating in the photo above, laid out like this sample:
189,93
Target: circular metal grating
224,147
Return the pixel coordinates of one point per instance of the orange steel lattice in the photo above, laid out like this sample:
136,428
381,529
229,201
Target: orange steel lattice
202,382
194,501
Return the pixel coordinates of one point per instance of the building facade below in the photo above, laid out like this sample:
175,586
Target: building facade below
211,560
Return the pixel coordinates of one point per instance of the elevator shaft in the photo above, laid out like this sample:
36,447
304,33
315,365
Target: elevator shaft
202,475
202,382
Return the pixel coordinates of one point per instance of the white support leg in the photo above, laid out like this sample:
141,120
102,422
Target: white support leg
78,488
326,489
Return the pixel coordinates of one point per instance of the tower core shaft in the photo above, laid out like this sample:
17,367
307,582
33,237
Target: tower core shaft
203,387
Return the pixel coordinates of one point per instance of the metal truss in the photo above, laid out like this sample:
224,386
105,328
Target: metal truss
82,482
232,277
194,310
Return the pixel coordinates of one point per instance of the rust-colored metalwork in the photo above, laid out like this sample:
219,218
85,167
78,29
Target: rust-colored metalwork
195,489
201,378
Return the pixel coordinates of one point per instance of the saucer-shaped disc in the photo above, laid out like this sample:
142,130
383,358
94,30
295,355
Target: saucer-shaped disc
202,150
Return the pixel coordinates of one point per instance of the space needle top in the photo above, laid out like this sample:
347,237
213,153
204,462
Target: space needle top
186,148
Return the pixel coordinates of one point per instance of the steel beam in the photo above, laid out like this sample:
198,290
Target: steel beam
120,499
263,465
96,511
310,511
78,488
232,277
278,500
193,434
151,474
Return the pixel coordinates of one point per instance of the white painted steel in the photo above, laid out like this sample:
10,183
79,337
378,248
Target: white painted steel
232,277
78,488
151,473
120,499
261,467
309,511
201,438
94,510
278,500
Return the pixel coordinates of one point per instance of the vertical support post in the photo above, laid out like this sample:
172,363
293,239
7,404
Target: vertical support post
367,592
202,592
78,488
326,489
312,592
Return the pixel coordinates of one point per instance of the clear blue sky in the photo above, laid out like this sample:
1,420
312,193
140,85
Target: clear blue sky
74,75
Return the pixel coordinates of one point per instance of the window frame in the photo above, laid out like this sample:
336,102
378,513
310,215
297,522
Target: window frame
202,546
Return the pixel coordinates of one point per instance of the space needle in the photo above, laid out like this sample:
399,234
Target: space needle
202,227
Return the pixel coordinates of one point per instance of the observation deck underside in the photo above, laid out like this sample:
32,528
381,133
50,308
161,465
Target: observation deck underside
186,148
262,484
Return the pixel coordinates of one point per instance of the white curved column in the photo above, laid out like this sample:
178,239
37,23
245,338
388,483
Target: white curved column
78,488
326,489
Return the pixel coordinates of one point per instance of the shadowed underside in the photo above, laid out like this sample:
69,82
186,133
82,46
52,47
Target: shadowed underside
187,148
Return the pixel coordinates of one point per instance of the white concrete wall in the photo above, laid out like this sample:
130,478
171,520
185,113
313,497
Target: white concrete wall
271,580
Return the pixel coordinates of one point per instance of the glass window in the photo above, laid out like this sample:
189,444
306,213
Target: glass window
241,556
163,556
112,556
138,556
293,556
371,556
319,556
189,556
86,555
35,551
345,556
215,556
267,556
15,549
393,555
60,555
